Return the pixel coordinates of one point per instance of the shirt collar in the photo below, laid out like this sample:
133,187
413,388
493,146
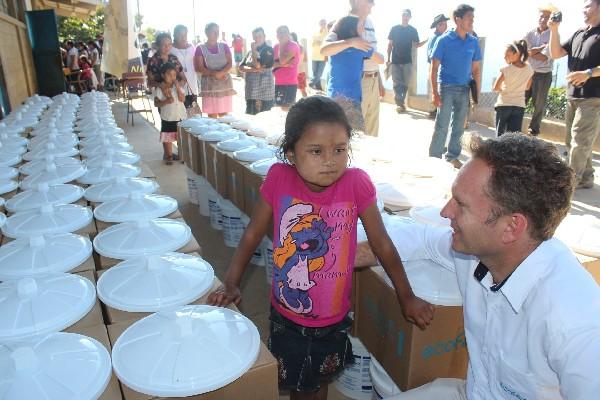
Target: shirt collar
517,286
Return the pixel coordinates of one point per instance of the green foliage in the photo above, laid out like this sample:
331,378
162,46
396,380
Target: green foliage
556,105
150,34
70,28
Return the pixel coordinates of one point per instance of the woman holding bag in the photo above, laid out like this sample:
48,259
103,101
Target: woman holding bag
185,53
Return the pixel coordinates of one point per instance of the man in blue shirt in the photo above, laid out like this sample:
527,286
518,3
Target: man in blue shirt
455,59
440,24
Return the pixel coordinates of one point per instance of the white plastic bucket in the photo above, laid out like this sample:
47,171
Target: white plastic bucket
269,263
383,385
214,206
258,257
355,380
192,185
233,228
202,187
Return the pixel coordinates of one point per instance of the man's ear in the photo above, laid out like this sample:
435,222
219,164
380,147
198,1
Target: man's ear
517,226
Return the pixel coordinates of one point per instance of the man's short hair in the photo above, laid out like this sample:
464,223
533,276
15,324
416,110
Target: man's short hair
461,10
528,177
258,30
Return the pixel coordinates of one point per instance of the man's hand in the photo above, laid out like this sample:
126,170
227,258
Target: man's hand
436,100
417,311
359,43
577,78
225,295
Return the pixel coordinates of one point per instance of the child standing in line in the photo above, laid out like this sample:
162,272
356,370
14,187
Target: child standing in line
512,83
169,98
314,201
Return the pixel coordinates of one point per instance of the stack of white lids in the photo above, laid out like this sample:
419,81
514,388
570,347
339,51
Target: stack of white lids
53,174
8,173
116,157
11,148
43,195
136,207
261,167
119,188
235,144
67,140
219,135
252,154
48,219
186,351
43,150
108,171
103,146
8,185
42,165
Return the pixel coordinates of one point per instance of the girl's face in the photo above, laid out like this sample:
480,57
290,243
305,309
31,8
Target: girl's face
181,37
321,154
165,46
511,56
169,76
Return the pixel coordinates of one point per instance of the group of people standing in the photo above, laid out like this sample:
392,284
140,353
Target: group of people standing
84,58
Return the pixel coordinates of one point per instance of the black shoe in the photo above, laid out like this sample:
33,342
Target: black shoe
532,132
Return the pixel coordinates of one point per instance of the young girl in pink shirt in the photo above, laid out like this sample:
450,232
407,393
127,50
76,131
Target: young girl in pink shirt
314,201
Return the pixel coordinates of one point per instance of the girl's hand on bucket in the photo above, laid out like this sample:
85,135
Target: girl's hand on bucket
225,295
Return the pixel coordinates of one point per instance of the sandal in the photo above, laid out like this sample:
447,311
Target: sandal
169,160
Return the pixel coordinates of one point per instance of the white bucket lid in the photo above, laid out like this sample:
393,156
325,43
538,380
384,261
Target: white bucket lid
108,171
154,283
238,143
218,135
54,175
62,218
8,160
241,124
7,138
90,151
117,157
261,167
44,150
581,233
132,239
66,140
187,351
9,148
38,255
112,137
410,192
227,119
258,131
94,132
8,185
2,219
56,367
429,215
8,173
37,306
255,153
42,195
118,188
136,207
42,165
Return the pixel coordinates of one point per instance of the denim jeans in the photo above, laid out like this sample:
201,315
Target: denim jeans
540,85
509,119
401,74
455,102
317,69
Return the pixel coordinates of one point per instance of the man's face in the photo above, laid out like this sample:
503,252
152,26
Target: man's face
362,8
543,20
258,37
466,22
591,12
441,27
405,19
469,211
323,24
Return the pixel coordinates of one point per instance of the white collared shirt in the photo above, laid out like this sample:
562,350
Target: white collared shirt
538,337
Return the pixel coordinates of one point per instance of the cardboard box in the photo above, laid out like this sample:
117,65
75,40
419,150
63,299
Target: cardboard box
591,264
196,149
259,383
183,145
235,181
101,225
94,317
410,356
252,183
99,332
216,164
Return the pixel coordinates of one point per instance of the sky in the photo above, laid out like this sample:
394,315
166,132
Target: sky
499,22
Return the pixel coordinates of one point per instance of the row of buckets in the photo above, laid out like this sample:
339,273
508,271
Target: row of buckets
226,217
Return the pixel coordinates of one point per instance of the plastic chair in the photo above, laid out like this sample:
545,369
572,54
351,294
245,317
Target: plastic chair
134,87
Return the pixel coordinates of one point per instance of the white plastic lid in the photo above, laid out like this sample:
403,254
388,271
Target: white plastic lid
117,157
53,175
255,154
118,188
132,239
108,171
8,160
429,215
432,282
187,351
235,144
411,192
112,137
192,122
62,218
98,130
261,167
43,165
2,219
227,119
56,367
66,140
241,124
218,135
8,173
12,138
37,306
581,233
154,283
42,151
8,185
9,148
258,132
90,151
39,255
42,195
136,207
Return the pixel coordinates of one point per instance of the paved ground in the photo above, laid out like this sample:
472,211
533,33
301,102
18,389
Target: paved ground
404,135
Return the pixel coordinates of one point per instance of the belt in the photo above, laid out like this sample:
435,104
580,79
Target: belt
372,74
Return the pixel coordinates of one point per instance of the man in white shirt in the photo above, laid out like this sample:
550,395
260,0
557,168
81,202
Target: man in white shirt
531,311
372,86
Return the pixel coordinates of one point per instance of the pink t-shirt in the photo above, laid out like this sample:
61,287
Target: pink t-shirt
287,75
314,243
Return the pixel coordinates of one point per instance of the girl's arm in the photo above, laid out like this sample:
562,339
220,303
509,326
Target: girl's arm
229,292
498,83
529,83
415,310
180,93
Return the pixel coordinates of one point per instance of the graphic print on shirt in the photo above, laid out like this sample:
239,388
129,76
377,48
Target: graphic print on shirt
310,257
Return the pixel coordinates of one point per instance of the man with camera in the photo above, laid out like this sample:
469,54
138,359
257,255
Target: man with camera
583,93
257,66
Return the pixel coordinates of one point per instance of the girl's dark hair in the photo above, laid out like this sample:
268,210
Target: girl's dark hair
521,46
346,27
178,29
161,37
308,111
167,67
209,27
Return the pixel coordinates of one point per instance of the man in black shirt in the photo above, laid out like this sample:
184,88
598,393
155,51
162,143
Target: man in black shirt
257,66
402,39
583,93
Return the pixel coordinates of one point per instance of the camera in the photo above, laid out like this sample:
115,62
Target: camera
556,16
